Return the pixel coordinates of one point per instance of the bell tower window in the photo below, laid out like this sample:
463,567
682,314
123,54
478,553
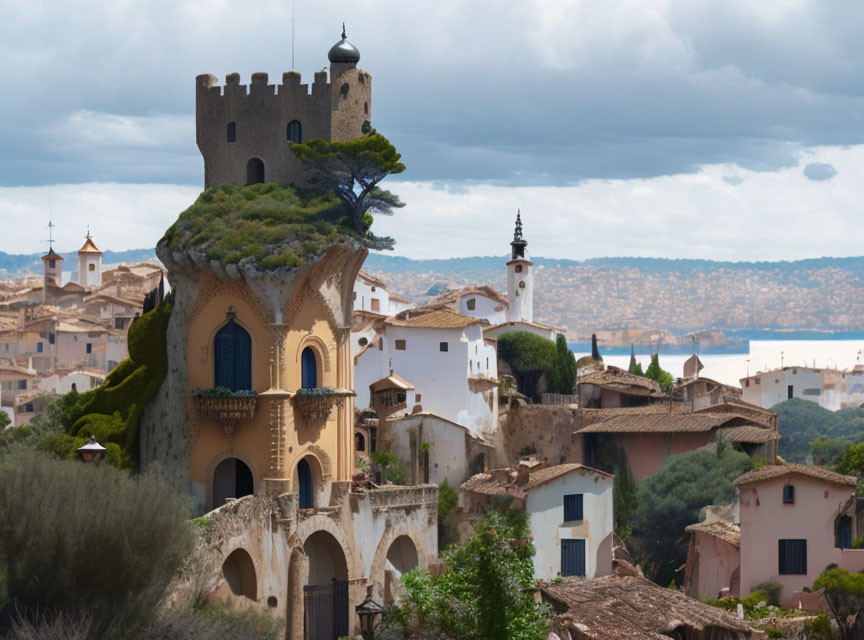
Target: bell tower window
233,357
231,132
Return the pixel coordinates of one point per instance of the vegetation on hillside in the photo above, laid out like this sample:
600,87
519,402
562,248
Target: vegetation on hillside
532,357
486,593
804,425
670,500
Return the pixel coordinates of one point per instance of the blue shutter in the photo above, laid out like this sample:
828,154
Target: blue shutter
232,358
793,557
573,557
573,507
242,360
309,369
222,360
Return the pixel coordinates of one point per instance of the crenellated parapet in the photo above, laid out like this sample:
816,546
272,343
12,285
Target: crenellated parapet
245,131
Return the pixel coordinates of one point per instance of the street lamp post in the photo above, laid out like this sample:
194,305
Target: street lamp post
368,611
92,451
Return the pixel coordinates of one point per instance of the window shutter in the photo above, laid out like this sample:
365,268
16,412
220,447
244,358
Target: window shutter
242,360
573,507
573,557
793,557
222,360
309,369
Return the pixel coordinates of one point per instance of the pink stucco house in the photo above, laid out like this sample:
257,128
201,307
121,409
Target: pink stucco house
795,520
714,557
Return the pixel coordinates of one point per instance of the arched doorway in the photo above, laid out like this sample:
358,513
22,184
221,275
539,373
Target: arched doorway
232,478
239,573
402,555
325,595
254,171
305,484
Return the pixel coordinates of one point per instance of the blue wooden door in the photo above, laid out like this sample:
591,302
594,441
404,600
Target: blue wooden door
573,557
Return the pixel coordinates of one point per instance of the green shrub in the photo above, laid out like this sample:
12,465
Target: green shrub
530,357
818,628
87,539
773,632
771,590
448,498
393,469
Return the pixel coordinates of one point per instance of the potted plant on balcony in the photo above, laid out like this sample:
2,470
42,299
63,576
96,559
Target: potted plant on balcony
315,403
225,405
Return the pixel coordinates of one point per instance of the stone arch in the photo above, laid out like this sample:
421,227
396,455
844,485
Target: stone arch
319,522
376,573
402,554
327,559
360,441
322,351
221,457
238,570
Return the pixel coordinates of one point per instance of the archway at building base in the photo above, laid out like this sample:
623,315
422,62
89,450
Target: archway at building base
325,596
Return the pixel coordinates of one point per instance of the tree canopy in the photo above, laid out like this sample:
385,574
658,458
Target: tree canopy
671,499
486,593
801,423
564,374
663,378
530,357
353,170
635,368
844,593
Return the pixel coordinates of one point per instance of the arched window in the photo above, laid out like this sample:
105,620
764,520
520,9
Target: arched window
304,484
232,132
233,357
232,478
309,369
359,442
295,131
254,171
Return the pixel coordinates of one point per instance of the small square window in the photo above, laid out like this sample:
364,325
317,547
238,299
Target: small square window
39,347
518,268
746,383
52,264
22,385
89,347
400,345
443,346
376,304
91,267
573,507
373,289
417,397
788,494
471,304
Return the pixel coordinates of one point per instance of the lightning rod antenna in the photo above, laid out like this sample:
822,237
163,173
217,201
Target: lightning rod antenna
293,13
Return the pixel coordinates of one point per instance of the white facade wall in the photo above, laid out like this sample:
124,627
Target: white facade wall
86,276
447,455
545,507
368,297
440,378
830,389
484,308
359,339
83,382
397,306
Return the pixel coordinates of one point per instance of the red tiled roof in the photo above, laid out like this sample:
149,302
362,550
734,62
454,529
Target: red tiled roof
780,470
661,423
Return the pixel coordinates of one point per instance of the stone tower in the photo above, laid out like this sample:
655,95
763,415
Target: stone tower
89,264
245,132
53,263
520,278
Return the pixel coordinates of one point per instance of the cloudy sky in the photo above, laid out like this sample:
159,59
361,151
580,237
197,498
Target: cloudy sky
722,129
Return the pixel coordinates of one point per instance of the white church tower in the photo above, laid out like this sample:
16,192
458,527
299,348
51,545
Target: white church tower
520,278
89,264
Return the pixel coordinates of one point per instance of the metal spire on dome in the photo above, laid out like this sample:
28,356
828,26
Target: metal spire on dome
344,37
517,234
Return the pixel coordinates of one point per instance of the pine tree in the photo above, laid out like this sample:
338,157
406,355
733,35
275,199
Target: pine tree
664,378
635,367
595,351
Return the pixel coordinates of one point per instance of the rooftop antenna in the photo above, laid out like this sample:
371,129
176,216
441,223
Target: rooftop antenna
88,232
51,224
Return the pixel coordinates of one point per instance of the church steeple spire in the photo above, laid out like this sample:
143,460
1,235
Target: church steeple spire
519,243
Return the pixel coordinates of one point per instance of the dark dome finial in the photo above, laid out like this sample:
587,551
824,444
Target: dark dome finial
343,51
517,234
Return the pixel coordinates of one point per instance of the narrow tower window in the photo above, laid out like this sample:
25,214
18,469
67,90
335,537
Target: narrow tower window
309,369
232,132
295,131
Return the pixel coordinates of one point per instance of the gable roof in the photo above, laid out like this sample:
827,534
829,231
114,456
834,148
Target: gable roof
454,295
432,319
393,381
516,323
502,481
663,423
369,279
634,608
749,433
616,379
722,529
809,471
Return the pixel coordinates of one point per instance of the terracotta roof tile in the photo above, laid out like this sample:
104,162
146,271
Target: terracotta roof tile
750,433
662,423
633,608
780,470
723,529
502,481
434,319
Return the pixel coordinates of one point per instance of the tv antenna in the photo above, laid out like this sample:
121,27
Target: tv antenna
292,34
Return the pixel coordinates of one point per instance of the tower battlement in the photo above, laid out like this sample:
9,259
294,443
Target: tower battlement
245,131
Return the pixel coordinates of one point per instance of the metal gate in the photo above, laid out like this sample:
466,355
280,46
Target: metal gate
326,607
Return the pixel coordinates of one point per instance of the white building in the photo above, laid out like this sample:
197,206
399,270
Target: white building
445,358
372,295
476,301
570,511
832,389
89,264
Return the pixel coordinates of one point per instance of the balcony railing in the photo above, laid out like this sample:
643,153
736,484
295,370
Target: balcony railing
316,404
224,406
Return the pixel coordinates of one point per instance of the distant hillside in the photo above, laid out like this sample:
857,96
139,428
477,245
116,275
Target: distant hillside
17,265
607,293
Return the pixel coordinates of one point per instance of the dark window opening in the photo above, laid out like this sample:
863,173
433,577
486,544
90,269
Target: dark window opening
91,267
22,385
39,347
793,557
52,264
232,132
363,342
254,171
304,485
309,368
790,392
471,304
788,494
444,346
89,347
233,357
359,442
28,408
573,507
518,268
294,131
844,532
400,345
52,338
232,478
